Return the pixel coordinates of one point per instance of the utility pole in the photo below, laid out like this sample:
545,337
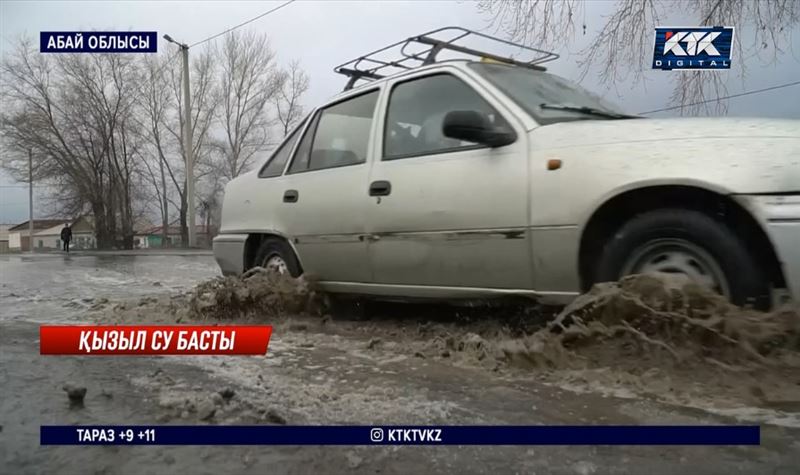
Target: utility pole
187,140
30,200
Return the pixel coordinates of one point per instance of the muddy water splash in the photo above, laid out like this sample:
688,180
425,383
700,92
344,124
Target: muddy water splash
663,317
257,293
658,319
660,336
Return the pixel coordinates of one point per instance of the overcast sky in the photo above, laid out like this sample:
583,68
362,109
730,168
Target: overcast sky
322,34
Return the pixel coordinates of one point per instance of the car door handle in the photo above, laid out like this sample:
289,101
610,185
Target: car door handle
290,196
380,188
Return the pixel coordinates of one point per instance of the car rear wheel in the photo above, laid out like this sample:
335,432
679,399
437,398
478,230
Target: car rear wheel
277,256
687,242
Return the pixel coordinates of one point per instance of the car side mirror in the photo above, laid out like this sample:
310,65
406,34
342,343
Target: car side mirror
474,126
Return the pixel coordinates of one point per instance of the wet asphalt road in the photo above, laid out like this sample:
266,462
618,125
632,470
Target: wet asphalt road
52,287
307,379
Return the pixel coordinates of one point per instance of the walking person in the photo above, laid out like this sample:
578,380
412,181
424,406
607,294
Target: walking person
66,236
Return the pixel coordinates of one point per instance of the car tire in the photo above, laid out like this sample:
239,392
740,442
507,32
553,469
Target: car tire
278,254
676,240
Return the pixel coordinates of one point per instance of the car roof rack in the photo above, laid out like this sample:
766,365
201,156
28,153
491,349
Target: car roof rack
424,49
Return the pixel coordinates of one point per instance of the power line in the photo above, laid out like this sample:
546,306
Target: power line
242,24
747,93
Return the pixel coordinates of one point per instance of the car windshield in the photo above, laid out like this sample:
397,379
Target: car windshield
546,97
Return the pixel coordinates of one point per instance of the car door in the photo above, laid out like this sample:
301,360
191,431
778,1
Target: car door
444,212
322,209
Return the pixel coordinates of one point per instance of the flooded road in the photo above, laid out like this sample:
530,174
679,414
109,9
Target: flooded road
58,287
317,371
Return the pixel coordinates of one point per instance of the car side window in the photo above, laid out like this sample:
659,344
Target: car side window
301,155
338,136
274,167
416,112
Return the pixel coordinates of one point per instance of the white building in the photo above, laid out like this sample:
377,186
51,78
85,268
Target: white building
19,235
82,236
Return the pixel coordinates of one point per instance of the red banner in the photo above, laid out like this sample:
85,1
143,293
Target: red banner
154,339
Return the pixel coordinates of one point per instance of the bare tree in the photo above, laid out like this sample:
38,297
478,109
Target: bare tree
155,100
106,130
287,101
623,42
125,139
211,191
249,79
204,102
73,112
541,23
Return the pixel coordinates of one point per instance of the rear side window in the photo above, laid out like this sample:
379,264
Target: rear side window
300,162
277,162
338,136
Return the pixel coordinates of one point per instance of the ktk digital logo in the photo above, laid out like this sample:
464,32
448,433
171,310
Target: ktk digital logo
693,48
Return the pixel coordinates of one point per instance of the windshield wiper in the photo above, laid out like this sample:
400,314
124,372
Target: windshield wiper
588,110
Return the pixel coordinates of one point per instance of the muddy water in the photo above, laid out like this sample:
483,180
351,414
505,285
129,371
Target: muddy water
406,364
59,287
659,337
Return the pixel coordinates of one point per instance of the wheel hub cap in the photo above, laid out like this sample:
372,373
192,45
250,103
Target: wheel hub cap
276,264
677,256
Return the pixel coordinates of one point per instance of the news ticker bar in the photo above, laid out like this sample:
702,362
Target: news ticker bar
400,435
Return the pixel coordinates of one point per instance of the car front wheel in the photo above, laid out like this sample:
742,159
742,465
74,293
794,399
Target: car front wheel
277,256
687,242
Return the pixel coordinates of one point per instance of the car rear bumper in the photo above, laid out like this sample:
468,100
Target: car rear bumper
229,253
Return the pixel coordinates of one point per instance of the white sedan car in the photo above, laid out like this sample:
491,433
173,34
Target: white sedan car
467,179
